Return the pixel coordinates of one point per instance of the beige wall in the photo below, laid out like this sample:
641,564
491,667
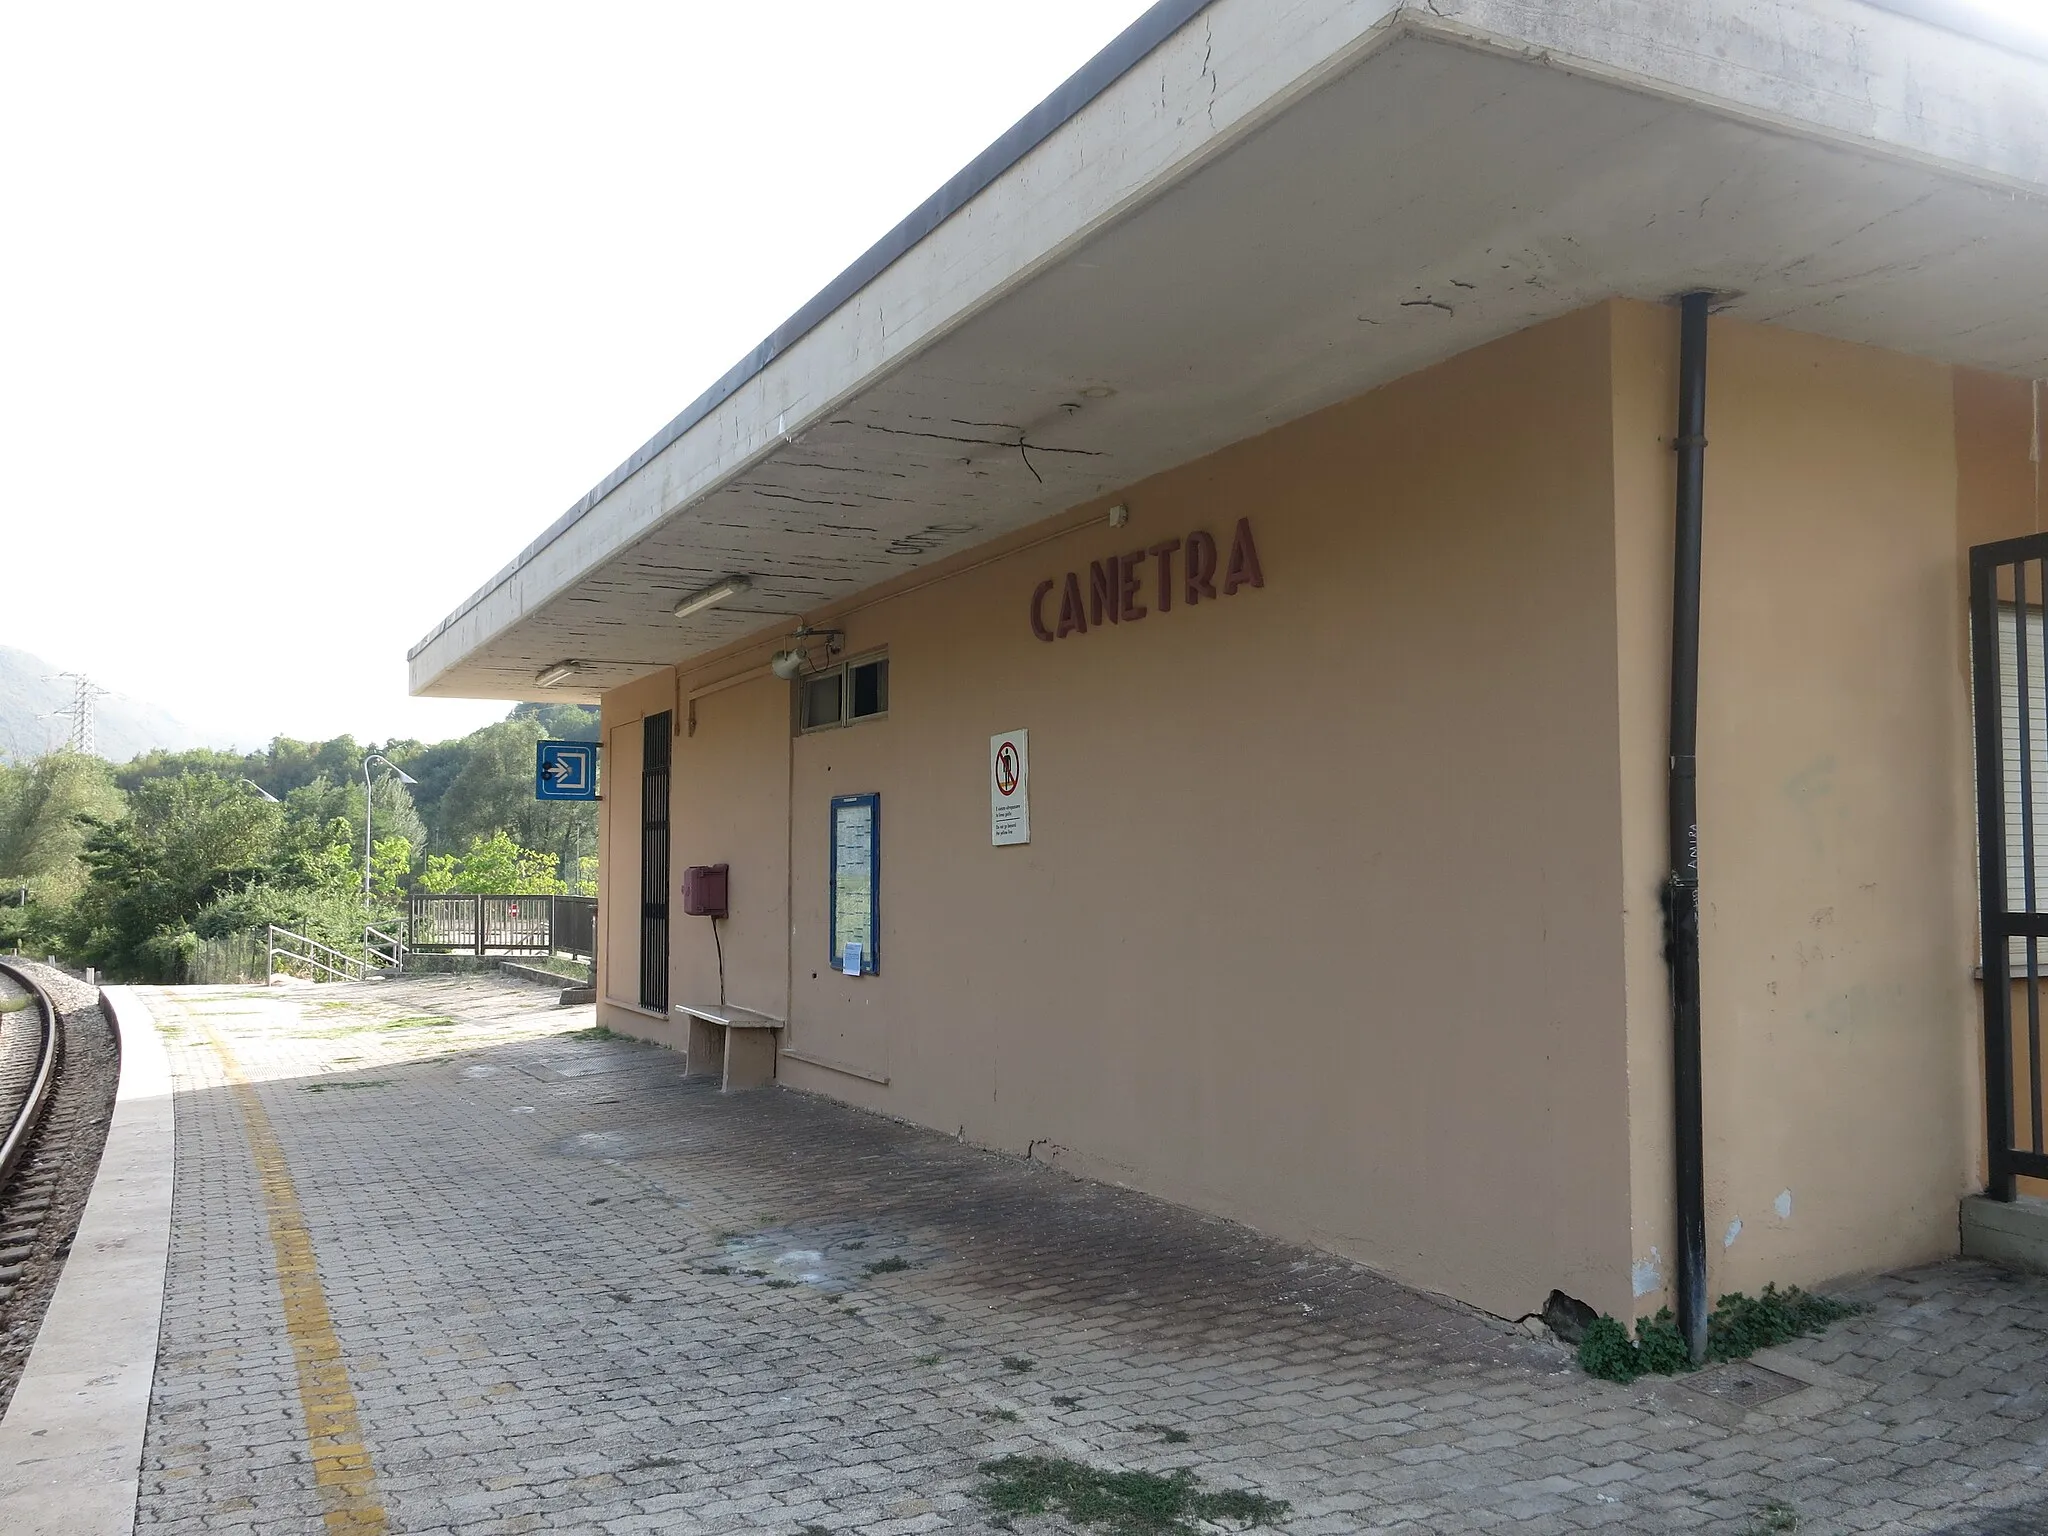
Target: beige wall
1318,926
732,807
1836,854
1341,914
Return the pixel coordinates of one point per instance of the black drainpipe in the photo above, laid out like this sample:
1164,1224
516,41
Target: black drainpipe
1682,893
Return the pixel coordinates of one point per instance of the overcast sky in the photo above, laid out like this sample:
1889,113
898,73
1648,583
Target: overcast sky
311,317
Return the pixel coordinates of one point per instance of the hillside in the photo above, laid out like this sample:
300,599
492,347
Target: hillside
29,696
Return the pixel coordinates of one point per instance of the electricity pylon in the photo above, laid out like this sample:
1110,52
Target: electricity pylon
84,691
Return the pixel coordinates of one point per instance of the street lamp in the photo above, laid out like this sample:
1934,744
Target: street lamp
403,778
266,794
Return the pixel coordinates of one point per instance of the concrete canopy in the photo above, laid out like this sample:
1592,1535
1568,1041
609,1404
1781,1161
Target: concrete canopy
1255,210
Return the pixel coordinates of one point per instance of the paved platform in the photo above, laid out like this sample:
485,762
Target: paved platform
496,1275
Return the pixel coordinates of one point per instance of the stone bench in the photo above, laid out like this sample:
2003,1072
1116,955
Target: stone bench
735,1045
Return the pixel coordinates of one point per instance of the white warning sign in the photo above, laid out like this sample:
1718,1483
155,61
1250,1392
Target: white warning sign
1009,788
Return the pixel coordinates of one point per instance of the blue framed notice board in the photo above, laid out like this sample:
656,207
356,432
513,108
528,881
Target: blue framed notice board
855,895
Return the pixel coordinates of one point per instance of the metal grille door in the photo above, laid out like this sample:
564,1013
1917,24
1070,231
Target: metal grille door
654,865
2009,678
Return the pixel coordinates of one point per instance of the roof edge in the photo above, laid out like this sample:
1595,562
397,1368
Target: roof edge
1123,53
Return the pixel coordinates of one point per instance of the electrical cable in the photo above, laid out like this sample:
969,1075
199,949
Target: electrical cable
715,944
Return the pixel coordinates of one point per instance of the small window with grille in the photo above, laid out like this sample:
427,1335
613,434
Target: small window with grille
843,694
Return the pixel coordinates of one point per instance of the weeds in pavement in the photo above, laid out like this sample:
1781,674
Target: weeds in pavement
1018,1364
1121,1503
1774,1517
1739,1327
368,1082
890,1266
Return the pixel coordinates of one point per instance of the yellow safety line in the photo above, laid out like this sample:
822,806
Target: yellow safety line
341,1467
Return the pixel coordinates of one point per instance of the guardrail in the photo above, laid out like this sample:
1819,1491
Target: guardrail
329,963
482,925
383,951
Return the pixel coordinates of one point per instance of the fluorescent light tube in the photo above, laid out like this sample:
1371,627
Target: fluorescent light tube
707,597
547,677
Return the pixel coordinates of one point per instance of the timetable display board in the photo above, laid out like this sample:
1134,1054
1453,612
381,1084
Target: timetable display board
856,884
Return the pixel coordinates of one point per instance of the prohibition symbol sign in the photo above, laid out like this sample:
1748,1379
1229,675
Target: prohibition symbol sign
1009,788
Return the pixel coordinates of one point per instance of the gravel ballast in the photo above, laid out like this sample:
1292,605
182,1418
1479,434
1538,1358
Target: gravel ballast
40,1212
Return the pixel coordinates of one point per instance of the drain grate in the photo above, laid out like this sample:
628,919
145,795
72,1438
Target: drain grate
1742,1384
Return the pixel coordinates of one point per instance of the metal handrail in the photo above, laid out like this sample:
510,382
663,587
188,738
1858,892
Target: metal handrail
16,1140
387,948
350,968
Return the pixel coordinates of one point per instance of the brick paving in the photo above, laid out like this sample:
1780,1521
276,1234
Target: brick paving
575,1292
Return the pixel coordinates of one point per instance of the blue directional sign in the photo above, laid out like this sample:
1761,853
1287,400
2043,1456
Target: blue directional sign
565,770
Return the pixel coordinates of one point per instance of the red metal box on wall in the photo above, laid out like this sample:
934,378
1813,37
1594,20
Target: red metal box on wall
704,890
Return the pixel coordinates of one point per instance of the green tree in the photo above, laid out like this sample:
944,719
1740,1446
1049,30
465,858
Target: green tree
43,806
184,842
493,792
494,866
323,836
560,722
390,867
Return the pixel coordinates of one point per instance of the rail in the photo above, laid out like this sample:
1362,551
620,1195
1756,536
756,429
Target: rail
30,1112
508,924
296,949
383,951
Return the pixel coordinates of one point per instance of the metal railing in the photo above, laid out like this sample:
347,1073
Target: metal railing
324,960
481,925
383,951
2009,688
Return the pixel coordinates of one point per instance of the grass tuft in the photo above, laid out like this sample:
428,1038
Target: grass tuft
1165,1432
1776,1516
1121,1503
595,1032
420,1021
368,1082
1018,1364
890,1266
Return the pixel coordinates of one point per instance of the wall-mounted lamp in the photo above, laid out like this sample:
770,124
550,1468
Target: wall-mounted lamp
547,677
794,662
711,596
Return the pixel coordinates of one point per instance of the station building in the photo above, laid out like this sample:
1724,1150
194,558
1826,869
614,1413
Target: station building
1174,649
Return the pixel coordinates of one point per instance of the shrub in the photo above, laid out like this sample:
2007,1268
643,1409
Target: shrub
166,955
1608,1352
1742,1325
333,917
1738,1327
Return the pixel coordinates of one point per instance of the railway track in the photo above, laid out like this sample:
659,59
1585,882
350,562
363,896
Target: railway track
31,1051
